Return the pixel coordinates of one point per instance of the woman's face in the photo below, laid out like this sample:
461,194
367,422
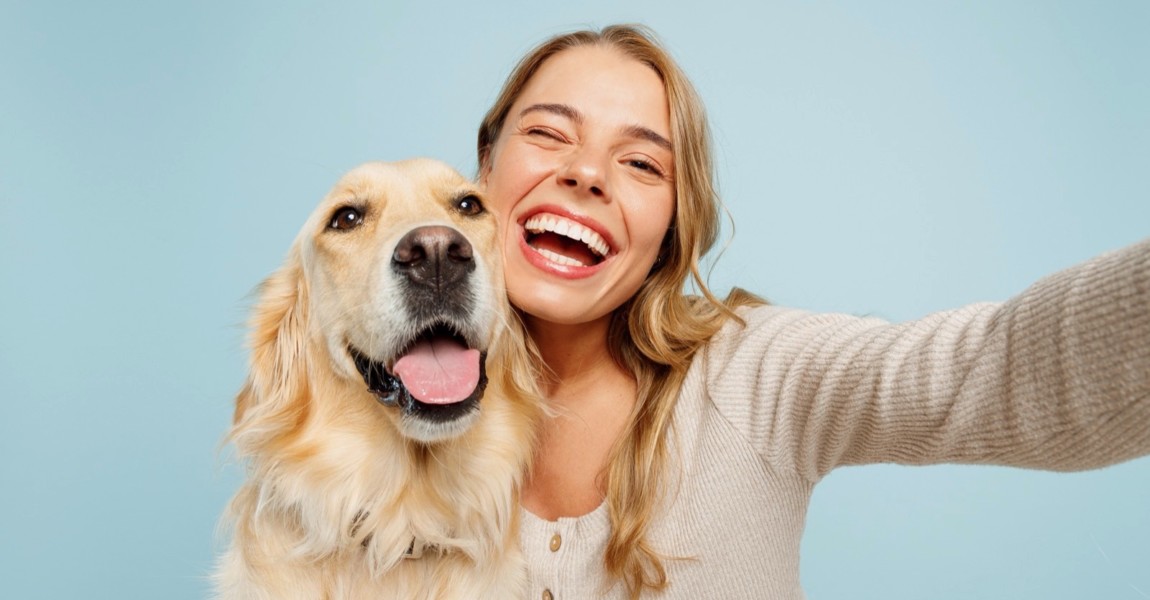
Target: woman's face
582,176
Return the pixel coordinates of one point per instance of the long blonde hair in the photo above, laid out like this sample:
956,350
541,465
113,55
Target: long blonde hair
656,333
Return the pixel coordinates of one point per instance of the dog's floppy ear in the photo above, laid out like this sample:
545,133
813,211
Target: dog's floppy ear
273,401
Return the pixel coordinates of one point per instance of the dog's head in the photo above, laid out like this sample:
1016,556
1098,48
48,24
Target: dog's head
395,277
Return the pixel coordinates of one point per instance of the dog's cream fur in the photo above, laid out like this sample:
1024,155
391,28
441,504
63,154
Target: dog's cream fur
339,485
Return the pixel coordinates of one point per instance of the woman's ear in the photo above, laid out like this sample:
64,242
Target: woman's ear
664,250
273,400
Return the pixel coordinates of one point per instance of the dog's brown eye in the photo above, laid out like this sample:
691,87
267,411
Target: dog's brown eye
348,217
469,205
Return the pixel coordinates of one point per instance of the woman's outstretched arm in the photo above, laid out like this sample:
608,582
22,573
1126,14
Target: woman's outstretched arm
1056,378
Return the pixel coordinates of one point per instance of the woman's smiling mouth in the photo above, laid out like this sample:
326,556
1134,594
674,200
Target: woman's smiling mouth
564,241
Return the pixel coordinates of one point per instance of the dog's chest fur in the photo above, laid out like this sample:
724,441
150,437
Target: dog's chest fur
348,513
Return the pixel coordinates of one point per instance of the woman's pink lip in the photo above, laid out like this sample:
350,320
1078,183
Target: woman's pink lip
543,263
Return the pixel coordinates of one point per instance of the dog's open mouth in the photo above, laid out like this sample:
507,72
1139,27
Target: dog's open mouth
438,376
564,241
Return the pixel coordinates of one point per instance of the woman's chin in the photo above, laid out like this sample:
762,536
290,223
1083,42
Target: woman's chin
551,305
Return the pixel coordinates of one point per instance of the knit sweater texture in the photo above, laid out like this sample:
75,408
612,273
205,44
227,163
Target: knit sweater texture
1058,378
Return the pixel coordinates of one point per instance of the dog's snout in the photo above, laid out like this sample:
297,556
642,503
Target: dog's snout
434,256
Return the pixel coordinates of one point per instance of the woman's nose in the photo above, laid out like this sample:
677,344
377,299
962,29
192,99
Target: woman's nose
584,173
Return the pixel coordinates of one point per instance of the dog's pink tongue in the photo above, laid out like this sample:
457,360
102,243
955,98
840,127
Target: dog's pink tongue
439,371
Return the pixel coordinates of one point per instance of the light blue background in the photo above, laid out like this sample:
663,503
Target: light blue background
887,158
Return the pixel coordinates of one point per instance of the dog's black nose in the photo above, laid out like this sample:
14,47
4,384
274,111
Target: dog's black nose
435,256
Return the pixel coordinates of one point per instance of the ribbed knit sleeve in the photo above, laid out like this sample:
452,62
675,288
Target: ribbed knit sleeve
1057,378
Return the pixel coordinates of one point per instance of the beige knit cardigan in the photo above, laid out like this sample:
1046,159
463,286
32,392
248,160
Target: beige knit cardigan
1057,378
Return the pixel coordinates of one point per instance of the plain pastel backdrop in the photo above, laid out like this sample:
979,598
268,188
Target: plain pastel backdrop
885,158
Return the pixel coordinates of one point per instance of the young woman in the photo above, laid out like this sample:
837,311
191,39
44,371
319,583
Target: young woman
690,432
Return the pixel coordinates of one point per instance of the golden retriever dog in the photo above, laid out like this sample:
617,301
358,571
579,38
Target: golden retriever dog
381,461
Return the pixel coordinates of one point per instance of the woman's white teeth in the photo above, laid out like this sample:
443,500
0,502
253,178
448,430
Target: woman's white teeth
569,229
559,258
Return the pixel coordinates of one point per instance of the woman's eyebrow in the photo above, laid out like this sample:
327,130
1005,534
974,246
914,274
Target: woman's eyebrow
562,110
633,131
644,133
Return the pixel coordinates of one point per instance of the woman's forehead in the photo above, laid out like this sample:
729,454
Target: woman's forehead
598,81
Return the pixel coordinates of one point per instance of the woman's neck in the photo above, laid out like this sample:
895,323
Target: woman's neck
593,397
572,353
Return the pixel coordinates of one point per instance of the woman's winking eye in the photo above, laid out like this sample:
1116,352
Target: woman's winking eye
546,133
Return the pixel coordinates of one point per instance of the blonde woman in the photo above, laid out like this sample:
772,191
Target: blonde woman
689,432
